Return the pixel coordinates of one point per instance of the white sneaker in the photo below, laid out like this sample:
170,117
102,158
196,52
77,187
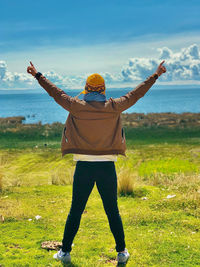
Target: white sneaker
122,257
62,256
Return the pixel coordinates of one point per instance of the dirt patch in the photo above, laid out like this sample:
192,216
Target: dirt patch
51,245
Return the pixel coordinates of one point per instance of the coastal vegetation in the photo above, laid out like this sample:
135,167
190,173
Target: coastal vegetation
158,188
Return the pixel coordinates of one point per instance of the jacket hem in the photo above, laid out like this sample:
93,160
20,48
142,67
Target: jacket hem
89,152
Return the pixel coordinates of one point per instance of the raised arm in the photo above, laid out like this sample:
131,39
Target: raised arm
126,101
59,95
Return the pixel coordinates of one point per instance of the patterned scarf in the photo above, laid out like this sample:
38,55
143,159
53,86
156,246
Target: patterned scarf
94,96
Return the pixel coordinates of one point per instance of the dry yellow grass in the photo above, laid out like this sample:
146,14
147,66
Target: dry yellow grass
129,183
62,176
1,182
126,182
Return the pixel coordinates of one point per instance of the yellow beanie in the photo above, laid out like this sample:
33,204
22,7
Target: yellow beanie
94,83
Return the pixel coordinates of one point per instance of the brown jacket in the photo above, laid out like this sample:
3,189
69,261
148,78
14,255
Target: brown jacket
94,128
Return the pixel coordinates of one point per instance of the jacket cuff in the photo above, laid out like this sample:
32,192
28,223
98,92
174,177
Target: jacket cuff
37,75
155,75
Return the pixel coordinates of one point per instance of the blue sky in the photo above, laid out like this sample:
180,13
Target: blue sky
72,39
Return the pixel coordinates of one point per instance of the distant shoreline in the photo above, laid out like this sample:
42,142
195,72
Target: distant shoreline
169,119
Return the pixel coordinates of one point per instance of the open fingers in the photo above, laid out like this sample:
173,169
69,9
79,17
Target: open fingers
162,63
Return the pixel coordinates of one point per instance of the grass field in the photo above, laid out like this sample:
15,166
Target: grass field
160,230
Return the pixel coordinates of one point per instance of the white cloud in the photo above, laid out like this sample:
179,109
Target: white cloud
182,67
112,79
165,53
3,68
65,81
9,80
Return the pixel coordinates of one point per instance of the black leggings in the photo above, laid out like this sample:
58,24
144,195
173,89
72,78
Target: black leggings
85,176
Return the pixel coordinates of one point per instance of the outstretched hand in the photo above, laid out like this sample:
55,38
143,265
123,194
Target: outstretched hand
161,69
31,69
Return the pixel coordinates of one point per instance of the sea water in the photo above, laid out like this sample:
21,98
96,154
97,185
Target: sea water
37,105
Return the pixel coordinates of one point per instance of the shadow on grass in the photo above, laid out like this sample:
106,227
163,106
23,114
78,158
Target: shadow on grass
121,264
76,265
70,264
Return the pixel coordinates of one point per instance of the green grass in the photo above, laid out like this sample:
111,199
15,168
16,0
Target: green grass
162,134
20,136
159,231
25,136
146,163
36,180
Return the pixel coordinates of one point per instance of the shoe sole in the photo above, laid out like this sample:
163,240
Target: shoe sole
56,258
122,263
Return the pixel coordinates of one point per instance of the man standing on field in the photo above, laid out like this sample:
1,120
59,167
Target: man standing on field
93,133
